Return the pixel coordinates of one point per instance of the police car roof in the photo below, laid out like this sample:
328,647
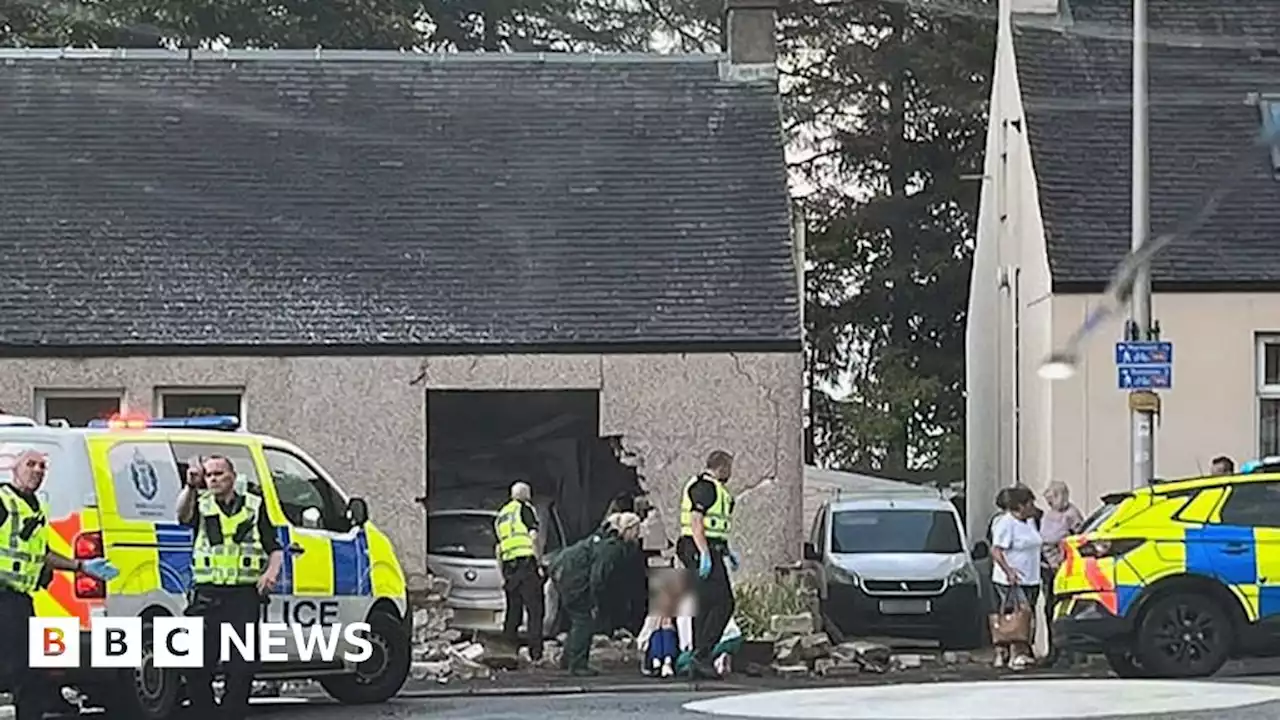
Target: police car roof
17,421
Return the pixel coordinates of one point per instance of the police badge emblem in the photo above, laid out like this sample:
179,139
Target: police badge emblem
144,476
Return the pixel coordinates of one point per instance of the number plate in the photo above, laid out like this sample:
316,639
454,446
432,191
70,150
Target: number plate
904,607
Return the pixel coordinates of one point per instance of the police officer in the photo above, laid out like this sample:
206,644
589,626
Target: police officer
517,529
236,563
706,507
24,557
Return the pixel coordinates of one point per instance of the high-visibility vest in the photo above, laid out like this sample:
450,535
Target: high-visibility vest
716,521
228,549
23,542
514,538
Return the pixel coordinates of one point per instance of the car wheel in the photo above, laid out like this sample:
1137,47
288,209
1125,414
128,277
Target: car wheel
1183,635
146,693
379,678
1124,664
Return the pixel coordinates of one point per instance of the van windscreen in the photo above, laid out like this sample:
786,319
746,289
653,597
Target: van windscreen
895,531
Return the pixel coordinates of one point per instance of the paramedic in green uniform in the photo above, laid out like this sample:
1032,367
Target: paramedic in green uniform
517,530
236,562
706,509
581,573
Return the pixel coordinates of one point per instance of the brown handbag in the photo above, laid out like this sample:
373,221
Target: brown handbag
1011,622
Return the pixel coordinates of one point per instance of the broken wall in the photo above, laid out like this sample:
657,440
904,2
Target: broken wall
364,420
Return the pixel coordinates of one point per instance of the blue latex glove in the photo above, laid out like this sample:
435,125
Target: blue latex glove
101,569
734,561
704,566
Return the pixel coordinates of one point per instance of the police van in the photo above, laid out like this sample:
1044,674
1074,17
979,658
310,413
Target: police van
112,493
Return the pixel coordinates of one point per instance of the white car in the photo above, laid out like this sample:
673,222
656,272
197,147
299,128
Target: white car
461,547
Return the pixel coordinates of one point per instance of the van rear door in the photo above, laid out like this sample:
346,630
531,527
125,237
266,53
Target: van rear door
138,480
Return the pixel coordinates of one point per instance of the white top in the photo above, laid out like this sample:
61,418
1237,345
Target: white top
1021,544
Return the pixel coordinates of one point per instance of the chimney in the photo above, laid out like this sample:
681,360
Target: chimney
751,40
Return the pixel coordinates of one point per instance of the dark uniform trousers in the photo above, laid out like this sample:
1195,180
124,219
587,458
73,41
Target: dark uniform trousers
237,606
32,689
522,584
714,595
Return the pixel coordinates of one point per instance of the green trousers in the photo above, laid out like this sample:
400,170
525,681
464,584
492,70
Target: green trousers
581,629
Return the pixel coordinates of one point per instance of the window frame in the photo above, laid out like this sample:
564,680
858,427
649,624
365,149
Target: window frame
1262,391
44,395
1270,128
163,391
336,492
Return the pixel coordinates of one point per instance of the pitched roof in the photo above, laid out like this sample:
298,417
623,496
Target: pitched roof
1205,58
390,200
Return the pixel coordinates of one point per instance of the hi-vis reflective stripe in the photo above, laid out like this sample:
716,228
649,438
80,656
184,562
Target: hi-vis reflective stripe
59,599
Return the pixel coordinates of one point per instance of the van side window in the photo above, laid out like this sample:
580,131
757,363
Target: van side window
300,488
247,479
146,480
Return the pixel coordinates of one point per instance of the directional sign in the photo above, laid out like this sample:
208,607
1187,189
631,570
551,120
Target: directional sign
1145,378
1144,353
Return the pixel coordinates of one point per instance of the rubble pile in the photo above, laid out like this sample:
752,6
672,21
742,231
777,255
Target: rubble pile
439,651
801,648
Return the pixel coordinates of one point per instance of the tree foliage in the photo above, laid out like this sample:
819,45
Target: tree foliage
884,109
885,103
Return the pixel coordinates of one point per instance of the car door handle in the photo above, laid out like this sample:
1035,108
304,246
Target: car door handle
296,549
1236,548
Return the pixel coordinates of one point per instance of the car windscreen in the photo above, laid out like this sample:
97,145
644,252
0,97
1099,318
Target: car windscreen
895,531
465,535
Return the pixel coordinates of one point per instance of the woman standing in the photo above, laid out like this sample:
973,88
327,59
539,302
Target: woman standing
1015,548
1060,521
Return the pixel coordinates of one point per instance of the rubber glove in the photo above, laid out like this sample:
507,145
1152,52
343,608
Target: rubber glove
704,566
100,568
734,561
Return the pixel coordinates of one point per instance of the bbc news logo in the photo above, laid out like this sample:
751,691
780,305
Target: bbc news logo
179,642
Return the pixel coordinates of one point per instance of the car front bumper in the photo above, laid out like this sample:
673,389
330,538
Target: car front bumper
955,610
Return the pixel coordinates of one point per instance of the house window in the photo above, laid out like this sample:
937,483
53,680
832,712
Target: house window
1269,396
1270,107
197,402
78,407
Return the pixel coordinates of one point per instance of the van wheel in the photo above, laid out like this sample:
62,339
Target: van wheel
146,693
379,678
969,636
1183,635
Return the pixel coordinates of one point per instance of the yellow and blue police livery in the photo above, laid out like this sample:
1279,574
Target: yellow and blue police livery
1174,579
113,492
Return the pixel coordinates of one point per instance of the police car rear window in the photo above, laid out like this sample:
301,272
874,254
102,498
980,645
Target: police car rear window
145,475
1110,504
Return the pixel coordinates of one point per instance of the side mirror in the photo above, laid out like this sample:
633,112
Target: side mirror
811,553
358,511
981,551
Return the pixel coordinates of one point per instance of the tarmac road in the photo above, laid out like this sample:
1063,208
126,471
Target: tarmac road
1031,699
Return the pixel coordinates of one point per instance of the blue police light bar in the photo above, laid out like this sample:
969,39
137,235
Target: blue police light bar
204,422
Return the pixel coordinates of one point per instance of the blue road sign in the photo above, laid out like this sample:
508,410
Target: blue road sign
1144,353
1149,377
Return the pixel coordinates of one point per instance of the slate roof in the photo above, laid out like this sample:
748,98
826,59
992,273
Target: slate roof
1206,57
385,200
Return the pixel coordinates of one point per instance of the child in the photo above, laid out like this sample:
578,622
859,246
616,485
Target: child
659,638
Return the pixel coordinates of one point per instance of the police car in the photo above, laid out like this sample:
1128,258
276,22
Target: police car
112,492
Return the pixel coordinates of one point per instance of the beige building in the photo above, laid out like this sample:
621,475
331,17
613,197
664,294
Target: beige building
1055,221
525,266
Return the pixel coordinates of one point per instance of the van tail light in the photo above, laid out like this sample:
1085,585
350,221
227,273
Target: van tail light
88,546
1108,548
